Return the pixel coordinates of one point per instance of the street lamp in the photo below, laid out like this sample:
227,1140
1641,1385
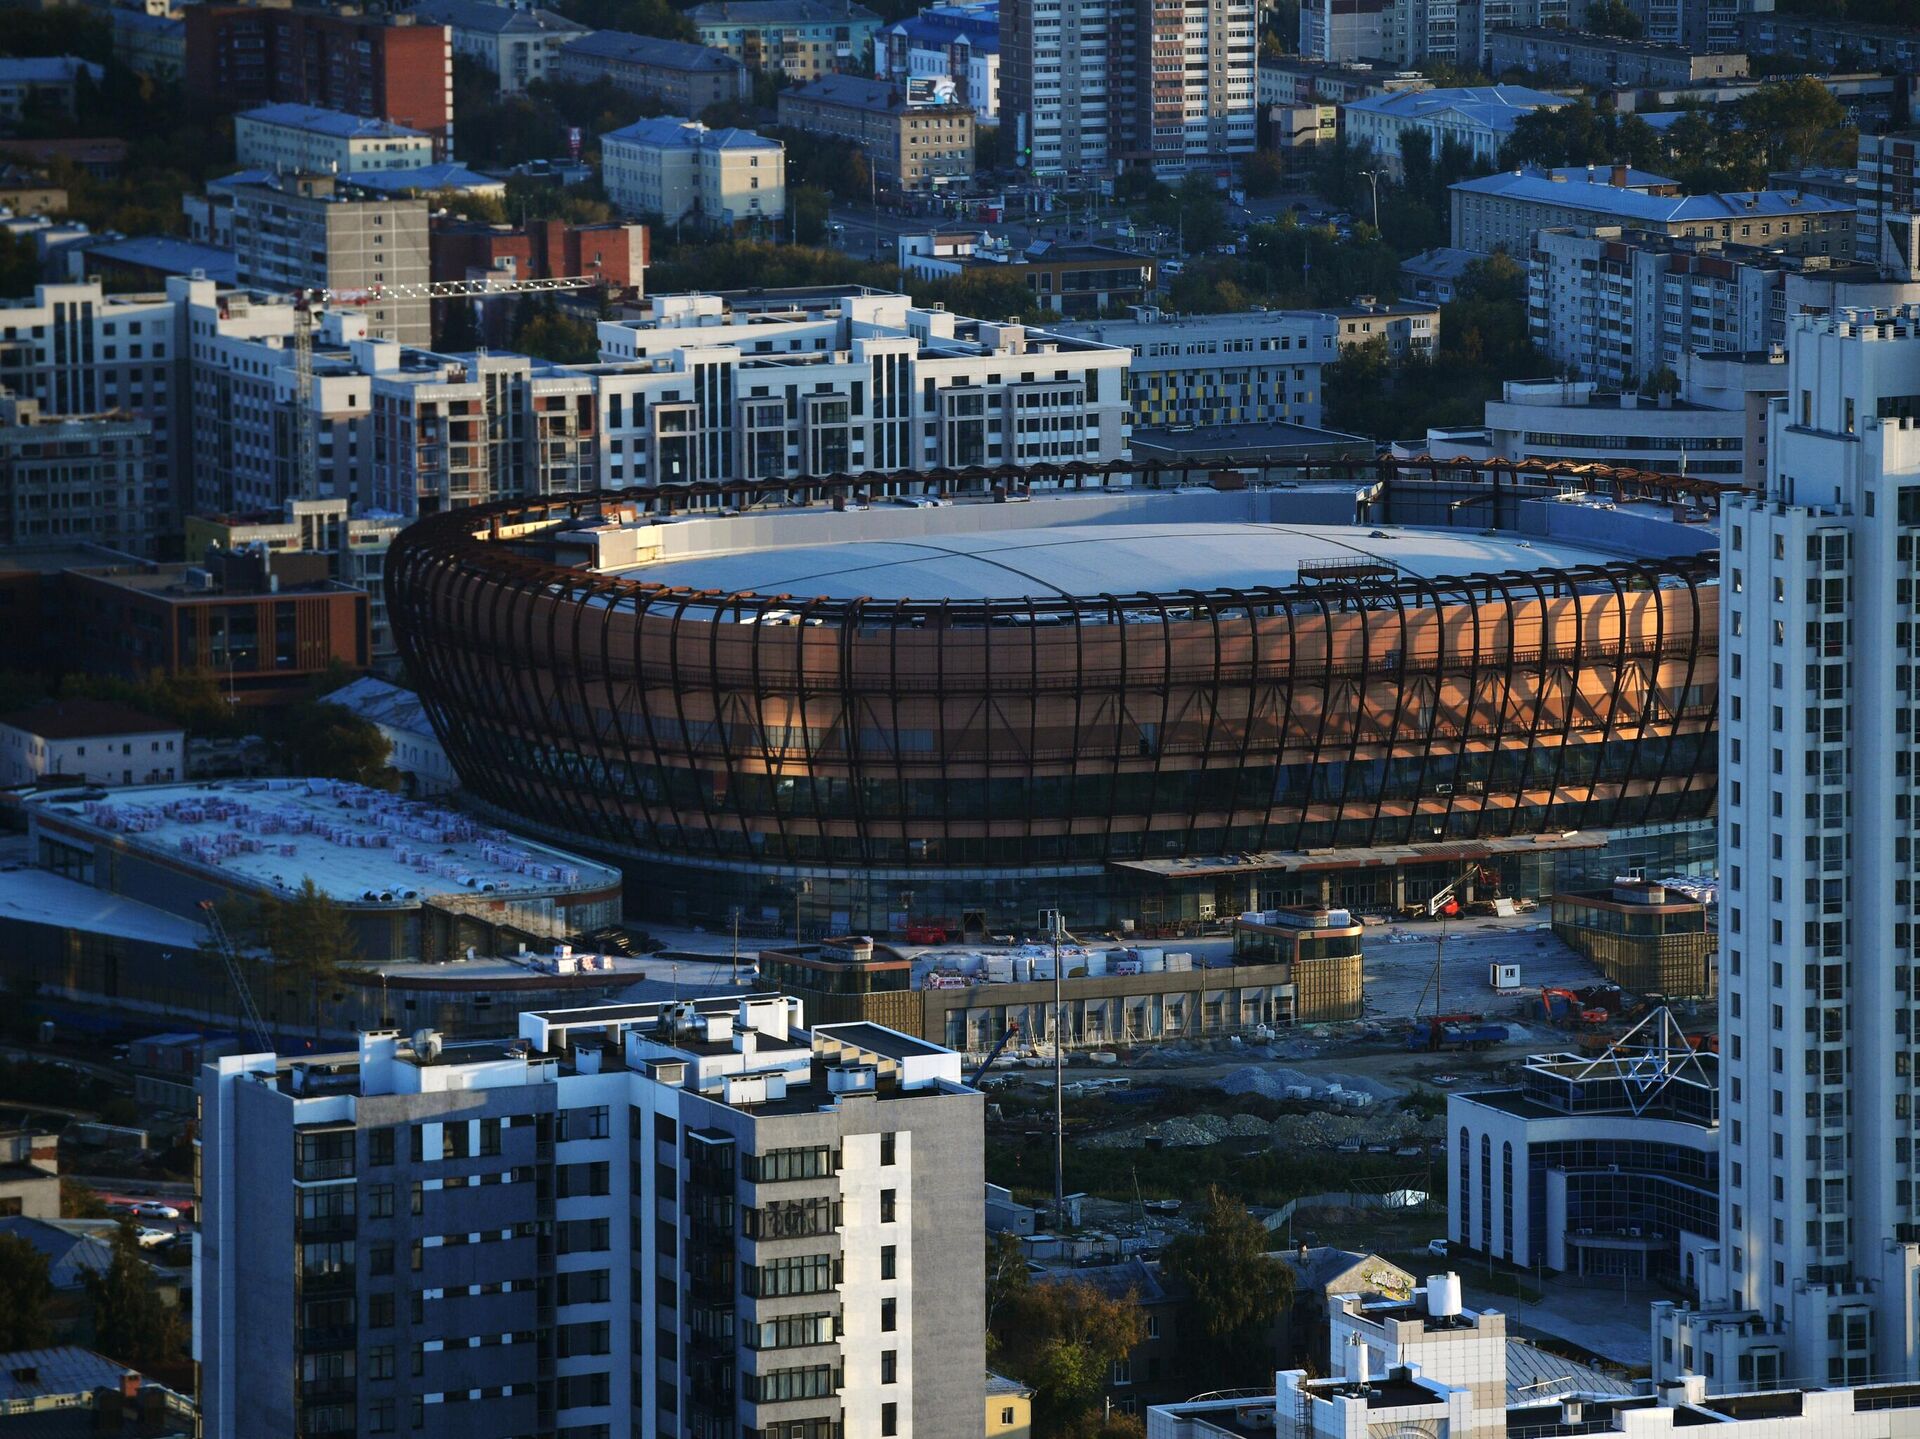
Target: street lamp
1373,183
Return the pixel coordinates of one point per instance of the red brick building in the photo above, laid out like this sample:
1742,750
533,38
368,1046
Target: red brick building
615,252
382,67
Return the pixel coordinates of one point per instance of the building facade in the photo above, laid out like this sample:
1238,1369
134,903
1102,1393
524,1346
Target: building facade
1258,367
685,173
94,741
654,1220
1478,119
684,78
958,42
1885,232
78,479
1556,53
387,67
800,39
1578,422
912,146
519,44
289,138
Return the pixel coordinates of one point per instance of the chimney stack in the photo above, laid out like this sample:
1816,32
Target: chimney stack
1620,176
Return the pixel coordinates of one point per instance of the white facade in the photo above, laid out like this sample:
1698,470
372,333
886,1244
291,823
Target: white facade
679,170
397,713
1479,119
138,756
1578,422
304,139
1821,1236
518,43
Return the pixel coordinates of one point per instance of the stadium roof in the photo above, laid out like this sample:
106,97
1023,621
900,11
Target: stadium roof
1595,196
1091,559
337,123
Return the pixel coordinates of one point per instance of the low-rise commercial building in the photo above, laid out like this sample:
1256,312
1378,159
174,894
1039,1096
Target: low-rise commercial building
681,172
1436,275
303,139
911,145
800,39
1644,937
1479,119
798,1248
1256,368
684,78
1551,54
1274,444
149,44
958,42
99,742
1502,212
1579,422
517,43
78,479
1071,279
1293,128
29,1174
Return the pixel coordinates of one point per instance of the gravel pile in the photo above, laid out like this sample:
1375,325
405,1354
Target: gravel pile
1291,1131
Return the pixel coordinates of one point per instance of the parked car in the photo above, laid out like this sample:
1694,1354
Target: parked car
150,1238
1437,1248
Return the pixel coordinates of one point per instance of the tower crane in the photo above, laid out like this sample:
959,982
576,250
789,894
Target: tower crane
308,303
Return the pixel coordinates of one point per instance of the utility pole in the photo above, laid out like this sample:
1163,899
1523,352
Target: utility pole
1373,183
1052,918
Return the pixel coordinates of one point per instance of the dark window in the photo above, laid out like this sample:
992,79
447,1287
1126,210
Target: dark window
379,1147
889,1418
889,1366
886,1148
886,1205
888,1261
889,1315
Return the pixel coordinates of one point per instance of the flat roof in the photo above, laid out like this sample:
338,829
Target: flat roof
1090,559
359,845
86,718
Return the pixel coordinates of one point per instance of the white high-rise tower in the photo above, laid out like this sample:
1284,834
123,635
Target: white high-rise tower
1816,1279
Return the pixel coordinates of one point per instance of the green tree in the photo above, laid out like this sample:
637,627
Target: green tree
26,1295
19,267
80,1201
1798,123
131,1322
310,942
1062,1338
331,742
1235,1291
565,339
1613,17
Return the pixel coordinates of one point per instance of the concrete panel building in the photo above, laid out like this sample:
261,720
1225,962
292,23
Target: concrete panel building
958,42
517,43
634,1218
1558,54
800,39
78,479
684,78
911,145
304,139
683,173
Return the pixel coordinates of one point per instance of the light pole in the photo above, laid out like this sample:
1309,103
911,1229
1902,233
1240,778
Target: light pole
1373,183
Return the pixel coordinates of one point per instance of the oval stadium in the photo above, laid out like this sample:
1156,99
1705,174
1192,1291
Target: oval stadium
973,702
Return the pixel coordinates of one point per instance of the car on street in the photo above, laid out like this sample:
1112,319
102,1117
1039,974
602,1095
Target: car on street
1437,1248
149,1208
149,1238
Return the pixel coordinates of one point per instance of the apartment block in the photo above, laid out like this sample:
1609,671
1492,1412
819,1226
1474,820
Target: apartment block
1699,25
1302,80
517,43
958,42
1884,230
652,1219
380,67
684,173
705,387
911,146
78,479
287,138
800,39
1816,1276
684,78
1549,53
1826,44
1260,367
314,232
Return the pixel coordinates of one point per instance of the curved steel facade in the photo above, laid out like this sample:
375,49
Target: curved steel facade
939,745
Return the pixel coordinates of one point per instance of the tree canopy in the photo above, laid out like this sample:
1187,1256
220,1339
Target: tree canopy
1235,1292
1061,1338
331,742
26,1295
131,1322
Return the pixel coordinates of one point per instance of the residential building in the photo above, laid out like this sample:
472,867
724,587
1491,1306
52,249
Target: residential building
29,192
516,43
683,173
293,139
1885,232
103,158
429,181
1347,31
1258,367
153,45
78,479
632,1218
800,39
145,263
313,232
1405,33
1828,182
43,82
1825,44
263,628
1502,212
76,1390
1296,128
1009,1408
1602,1166
1089,93
614,253
1074,280
29,1161
1699,25
1819,1257
1321,1275
1478,119
704,387
416,754
1558,54
98,742
958,42
379,66
1301,80
684,78
354,546
1410,327
1436,275
911,145
1746,381
73,351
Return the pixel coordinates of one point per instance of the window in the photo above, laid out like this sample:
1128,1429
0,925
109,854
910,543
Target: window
889,1419
777,1165
577,1339
887,1205
380,1311
589,1123
800,1274
380,1362
575,1181
583,1286
889,1366
1122,1373
889,1254
379,1148
887,1149
572,1391
380,1201
889,1315
581,1236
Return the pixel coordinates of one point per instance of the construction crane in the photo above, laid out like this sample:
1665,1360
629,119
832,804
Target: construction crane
992,1054
249,1011
307,303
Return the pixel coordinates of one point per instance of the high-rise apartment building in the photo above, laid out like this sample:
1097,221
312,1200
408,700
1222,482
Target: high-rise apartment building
1095,87
697,1219
1884,232
312,232
1817,1275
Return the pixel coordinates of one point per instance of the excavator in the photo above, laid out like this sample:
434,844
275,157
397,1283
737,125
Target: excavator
1570,1008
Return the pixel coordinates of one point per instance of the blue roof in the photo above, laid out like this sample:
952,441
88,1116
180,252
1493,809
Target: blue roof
942,25
45,69
168,255
447,175
478,15
329,122
650,50
1615,203
678,132
1497,106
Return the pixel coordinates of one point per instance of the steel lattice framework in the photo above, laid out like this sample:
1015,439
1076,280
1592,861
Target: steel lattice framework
941,735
